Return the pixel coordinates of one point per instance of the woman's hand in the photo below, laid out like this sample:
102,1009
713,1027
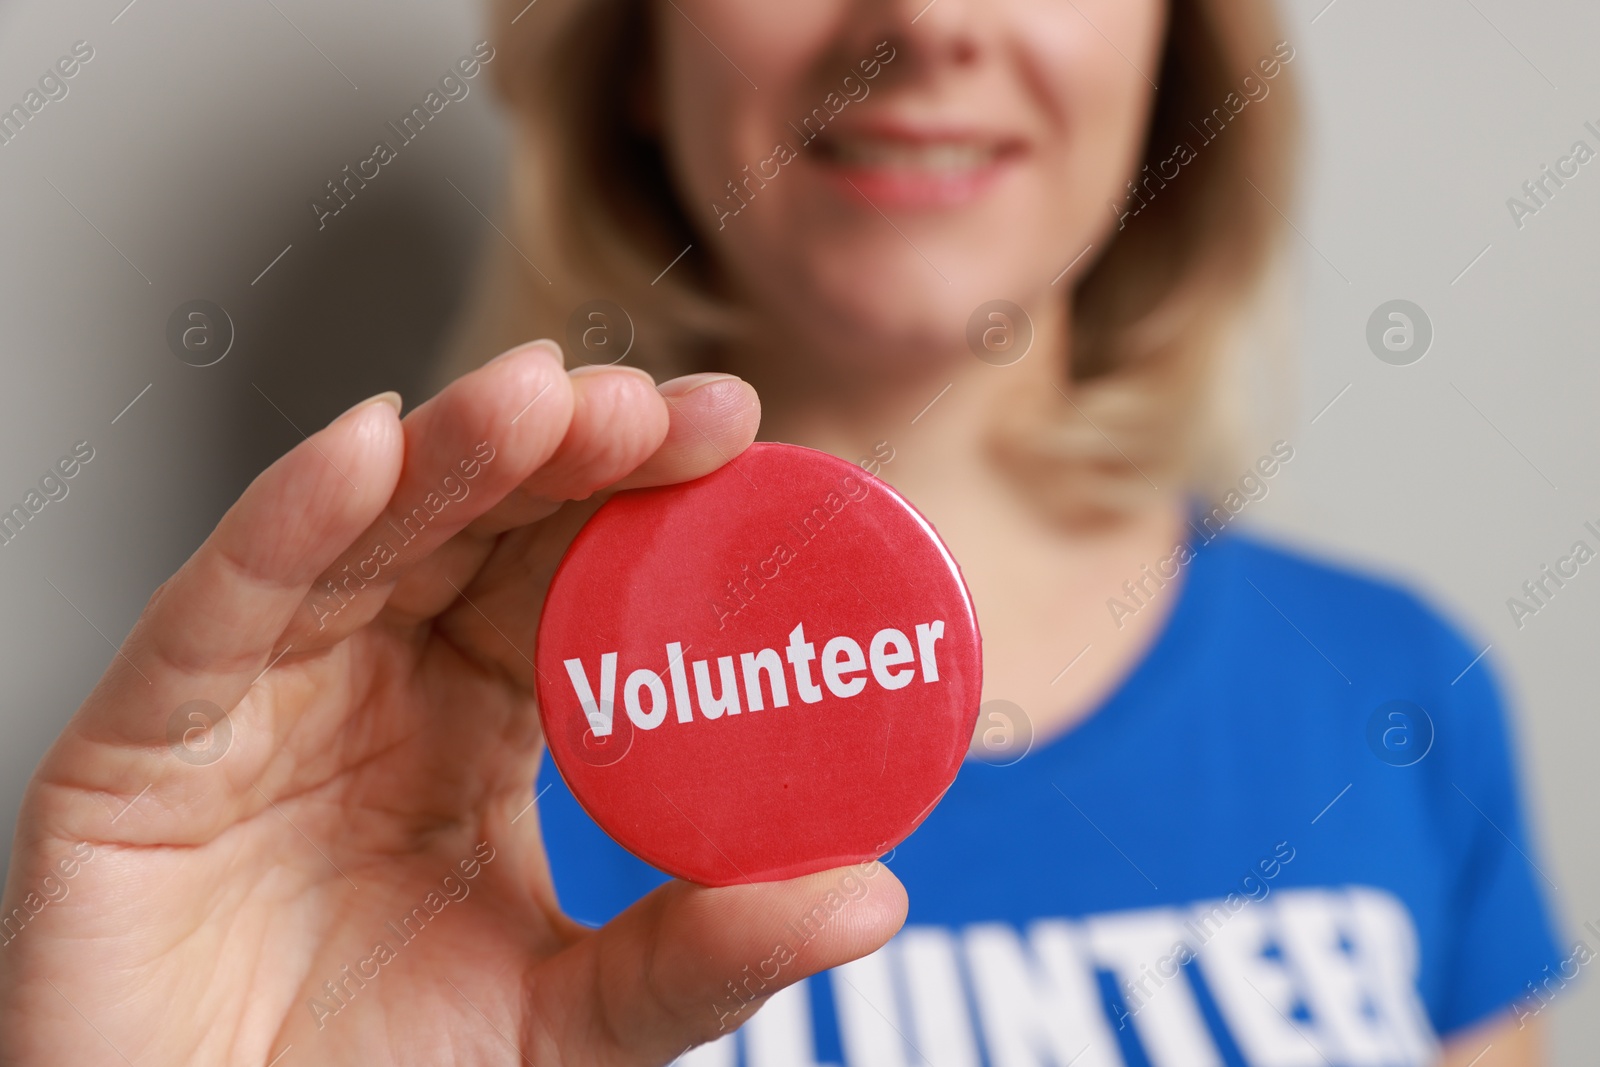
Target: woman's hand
365,615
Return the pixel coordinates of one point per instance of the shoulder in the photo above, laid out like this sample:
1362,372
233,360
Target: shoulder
1338,585
1379,620
1338,655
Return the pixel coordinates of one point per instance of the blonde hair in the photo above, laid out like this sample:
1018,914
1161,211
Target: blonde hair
591,215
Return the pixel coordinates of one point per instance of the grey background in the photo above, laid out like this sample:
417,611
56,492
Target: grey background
195,137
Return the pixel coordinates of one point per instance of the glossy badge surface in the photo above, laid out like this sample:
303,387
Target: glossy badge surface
768,671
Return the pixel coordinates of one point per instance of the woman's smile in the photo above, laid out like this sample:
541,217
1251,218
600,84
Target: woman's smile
910,166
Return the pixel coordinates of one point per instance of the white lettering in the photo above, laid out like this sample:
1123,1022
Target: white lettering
779,1035
841,671
680,682
753,664
1310,977
1139,948
645,679
842,656
715,707
1033,1016
1254,993
598,714
1312,936
941,1023
869,1025
1389,950
719,1053
927,634
883,659
801,652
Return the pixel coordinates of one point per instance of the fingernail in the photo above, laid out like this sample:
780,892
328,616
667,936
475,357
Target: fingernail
687,384
390,397
596,368
549,345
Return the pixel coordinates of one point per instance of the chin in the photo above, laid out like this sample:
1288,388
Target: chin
884,330
866,302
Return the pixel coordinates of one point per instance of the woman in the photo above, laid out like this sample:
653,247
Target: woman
1215,846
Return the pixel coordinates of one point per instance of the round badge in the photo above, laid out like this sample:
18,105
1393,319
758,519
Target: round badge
766,672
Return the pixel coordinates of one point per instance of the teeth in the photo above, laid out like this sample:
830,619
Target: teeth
949,155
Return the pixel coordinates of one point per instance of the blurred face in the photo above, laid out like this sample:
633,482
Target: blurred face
870,171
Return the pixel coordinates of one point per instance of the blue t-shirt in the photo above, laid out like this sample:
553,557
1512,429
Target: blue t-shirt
1293,836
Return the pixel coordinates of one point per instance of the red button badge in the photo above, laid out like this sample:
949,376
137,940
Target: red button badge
768,671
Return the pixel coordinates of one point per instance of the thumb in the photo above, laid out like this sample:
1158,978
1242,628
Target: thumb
688,964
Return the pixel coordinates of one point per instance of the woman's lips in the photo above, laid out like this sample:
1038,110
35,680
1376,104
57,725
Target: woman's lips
915,172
